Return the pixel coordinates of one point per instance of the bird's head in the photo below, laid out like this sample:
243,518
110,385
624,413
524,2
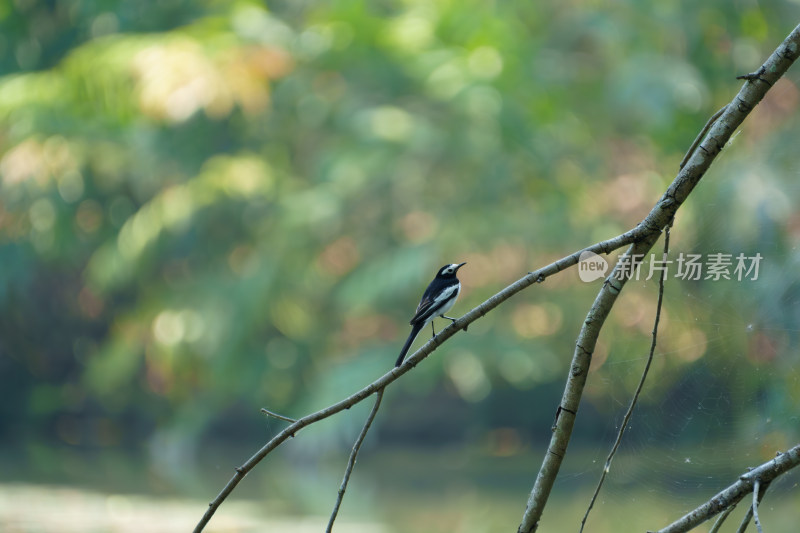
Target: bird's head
449,271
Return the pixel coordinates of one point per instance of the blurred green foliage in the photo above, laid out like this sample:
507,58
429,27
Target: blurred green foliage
209,207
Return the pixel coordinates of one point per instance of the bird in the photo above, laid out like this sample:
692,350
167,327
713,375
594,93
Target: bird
437,299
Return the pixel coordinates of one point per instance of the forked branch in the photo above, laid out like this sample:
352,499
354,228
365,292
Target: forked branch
537,276
351,462
627,418
725,499
719,133
641,238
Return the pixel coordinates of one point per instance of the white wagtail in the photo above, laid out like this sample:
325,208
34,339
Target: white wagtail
438,298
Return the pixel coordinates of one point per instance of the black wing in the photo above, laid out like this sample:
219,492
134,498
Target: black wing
435,296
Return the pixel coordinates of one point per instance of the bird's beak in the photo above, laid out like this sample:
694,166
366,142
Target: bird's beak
461,265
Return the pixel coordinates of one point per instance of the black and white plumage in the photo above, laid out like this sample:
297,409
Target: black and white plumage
437,299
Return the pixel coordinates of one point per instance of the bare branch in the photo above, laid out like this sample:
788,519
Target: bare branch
537,276
752,510
701,135
748,97
752,76
732,495
745,520
352,461
276,415
756,487
627,418
721,519
642,238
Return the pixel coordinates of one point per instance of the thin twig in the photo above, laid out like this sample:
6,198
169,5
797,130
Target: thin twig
721,518
748,515
276,415
684,183
756,491
701,135
753,75
752,510
351,462
627,418
759,489
732,495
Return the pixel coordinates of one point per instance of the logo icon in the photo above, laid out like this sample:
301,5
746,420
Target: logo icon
591,266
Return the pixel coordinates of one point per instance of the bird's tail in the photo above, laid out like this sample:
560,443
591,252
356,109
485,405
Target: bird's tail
414,332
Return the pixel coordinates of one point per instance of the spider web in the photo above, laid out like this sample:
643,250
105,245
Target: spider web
733,398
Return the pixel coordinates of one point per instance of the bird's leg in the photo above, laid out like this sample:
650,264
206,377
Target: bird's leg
432,329
453,320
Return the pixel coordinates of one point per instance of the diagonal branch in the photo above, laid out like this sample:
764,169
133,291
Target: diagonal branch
752,510
627,418
729,497
642,238
719,134
352,461
702,135
721,519
537,276
756,495
276,415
